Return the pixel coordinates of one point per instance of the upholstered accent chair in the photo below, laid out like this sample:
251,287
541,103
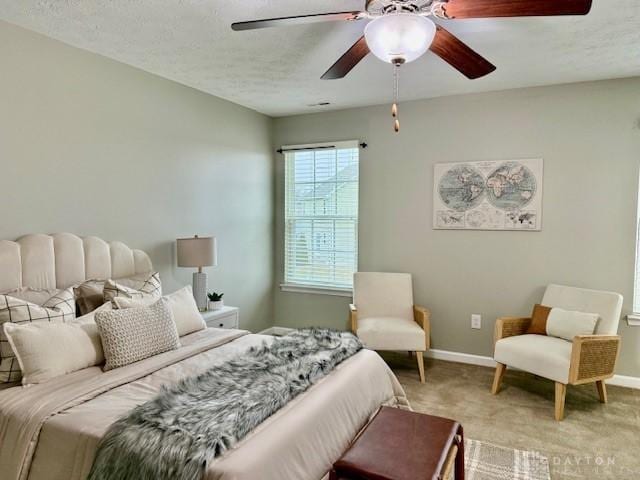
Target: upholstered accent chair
384,317
589,358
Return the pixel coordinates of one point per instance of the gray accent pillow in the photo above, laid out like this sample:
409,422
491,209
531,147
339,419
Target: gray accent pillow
134,334
89,296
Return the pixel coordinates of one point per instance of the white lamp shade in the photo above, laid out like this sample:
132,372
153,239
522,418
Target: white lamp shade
197,252
405,36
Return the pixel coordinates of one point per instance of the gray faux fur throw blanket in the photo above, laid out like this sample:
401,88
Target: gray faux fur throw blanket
176,434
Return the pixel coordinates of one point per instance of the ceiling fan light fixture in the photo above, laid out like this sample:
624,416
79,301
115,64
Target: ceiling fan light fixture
399,37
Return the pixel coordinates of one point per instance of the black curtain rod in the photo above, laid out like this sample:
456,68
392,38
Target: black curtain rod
327,147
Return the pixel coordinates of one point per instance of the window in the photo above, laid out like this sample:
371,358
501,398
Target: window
321,217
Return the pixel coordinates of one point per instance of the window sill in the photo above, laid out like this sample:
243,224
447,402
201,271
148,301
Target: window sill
297,288
633,319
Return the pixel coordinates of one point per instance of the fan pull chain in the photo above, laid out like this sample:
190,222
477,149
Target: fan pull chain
396,95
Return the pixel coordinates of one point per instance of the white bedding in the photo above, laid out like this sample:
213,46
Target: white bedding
299,442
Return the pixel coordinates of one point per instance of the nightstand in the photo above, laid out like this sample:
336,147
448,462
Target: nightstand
226,317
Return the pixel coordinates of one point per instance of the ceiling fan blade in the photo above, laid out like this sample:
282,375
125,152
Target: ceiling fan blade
346,62
460,56
512,8
297,20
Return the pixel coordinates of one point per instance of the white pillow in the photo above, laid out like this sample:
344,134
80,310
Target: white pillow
568,324
47,350
182,305
59,308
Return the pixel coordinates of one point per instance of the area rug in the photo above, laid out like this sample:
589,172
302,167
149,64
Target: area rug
484,461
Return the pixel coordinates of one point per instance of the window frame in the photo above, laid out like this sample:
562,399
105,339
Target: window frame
310,288
633,318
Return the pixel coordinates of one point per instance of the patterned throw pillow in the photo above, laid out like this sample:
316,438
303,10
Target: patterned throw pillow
144,288
134,334
32,295
59,308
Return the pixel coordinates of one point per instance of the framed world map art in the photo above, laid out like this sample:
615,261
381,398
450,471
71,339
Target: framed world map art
491,195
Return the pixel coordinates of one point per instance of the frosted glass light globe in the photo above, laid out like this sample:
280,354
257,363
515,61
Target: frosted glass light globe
404,36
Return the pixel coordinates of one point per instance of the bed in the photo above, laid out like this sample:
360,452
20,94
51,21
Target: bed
51,431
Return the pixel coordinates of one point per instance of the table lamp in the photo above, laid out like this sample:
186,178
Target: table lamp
198,252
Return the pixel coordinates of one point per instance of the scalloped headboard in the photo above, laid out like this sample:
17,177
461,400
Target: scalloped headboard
63,259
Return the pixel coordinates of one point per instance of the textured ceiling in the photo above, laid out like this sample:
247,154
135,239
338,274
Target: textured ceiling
277,71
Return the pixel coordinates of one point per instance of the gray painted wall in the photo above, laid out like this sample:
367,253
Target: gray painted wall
95,147
589,137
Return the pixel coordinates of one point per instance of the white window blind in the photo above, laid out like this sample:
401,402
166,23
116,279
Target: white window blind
321,215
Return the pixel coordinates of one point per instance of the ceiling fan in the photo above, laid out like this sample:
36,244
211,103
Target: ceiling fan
401,31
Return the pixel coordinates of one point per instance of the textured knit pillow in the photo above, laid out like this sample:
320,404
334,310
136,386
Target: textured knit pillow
538,325
59,308
150,286
134,334
182,305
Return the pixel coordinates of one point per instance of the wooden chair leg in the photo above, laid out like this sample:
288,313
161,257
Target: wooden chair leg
561,393
602,391
497,379
420,357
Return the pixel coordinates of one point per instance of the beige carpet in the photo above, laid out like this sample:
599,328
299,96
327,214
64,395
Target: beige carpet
594,441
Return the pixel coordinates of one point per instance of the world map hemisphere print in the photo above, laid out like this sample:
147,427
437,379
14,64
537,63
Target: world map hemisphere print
488,195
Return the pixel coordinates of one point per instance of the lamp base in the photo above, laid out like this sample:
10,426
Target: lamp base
200,290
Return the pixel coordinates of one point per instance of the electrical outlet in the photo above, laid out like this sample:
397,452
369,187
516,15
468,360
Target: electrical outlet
476,321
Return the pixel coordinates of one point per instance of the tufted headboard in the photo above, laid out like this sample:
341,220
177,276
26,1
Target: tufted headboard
63,259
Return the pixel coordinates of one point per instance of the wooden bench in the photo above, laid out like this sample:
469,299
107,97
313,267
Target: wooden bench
402,445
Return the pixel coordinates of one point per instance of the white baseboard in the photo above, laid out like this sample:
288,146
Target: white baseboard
625,381
617,380
461,358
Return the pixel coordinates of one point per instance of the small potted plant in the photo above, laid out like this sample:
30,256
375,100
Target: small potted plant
215,301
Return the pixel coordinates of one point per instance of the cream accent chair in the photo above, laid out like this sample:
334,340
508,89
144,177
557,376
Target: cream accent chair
589,358
384,317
